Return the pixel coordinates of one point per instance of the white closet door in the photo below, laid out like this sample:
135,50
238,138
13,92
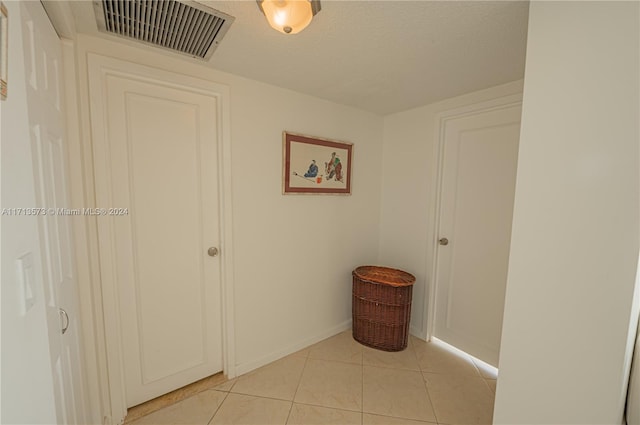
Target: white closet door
161,149
43,68
478,186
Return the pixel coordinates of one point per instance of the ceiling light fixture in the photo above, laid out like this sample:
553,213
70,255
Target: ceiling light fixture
289,17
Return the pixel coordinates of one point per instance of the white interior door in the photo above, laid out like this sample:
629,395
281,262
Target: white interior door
477,194
161,150
43,66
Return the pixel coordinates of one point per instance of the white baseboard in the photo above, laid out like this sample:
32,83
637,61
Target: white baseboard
243,368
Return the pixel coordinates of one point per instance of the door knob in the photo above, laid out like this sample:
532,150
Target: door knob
444,241
213,251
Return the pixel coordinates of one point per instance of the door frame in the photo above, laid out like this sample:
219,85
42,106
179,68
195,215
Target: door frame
441,120
99,67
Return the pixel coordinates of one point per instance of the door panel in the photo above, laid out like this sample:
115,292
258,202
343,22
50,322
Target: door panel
43,59
478,186
162,143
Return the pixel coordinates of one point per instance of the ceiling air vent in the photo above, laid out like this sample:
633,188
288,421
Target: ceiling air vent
180,26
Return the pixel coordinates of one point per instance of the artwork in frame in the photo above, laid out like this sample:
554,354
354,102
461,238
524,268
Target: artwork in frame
314,165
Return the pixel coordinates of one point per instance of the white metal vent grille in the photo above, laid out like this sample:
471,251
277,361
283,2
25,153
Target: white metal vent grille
181,26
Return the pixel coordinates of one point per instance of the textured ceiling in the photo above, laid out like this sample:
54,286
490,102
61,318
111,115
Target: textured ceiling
381,56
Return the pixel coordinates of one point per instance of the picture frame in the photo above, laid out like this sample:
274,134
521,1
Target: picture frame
4,48
312,165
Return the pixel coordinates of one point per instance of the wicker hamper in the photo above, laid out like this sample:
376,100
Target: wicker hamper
382,307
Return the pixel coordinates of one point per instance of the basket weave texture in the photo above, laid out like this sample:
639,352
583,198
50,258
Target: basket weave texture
382,307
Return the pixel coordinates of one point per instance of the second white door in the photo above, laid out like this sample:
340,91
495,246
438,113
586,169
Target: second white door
162,156
477,194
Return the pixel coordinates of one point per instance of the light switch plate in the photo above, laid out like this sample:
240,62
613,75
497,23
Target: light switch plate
26,280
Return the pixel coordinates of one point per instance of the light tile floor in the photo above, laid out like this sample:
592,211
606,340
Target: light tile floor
338,381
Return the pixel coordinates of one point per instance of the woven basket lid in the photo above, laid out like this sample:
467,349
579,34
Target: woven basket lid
385,275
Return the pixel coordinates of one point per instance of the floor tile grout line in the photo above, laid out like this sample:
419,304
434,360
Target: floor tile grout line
233,385
418,369
332,408
235,380
402,418
433,408
406,417
306,403
426,387
342,409
218,408
415,354
337,361
262,396
406,369
289,414
466,378
468,375
295,393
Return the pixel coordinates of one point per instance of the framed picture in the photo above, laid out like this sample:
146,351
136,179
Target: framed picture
314,165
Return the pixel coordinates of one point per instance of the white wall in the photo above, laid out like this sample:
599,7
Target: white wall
408,188
293,254
27,383
570,316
